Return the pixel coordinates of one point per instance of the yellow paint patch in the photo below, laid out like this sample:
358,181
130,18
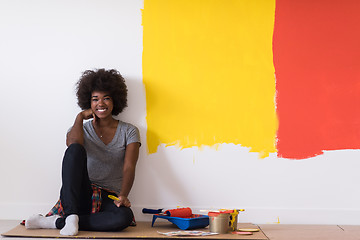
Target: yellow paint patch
208,73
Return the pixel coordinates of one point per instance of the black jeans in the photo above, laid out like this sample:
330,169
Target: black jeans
76,195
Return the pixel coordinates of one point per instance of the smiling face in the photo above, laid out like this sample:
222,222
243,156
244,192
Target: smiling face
101,104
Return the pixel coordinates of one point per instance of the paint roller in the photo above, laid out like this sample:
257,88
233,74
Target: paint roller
177,212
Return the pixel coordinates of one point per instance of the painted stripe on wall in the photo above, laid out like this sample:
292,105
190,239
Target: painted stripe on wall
208,73
317,59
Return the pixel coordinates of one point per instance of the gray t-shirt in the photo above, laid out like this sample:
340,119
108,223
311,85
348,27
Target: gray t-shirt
105,162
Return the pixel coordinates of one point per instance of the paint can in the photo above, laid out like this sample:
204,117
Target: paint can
219,222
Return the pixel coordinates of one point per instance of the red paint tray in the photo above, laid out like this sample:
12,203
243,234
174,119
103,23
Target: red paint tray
193,222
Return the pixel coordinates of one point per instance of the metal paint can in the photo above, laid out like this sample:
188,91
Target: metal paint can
219,222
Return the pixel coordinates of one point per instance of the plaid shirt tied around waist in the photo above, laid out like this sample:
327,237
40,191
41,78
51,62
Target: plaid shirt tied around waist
96,199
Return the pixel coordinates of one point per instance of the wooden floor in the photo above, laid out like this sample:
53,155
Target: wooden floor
311,232
272,231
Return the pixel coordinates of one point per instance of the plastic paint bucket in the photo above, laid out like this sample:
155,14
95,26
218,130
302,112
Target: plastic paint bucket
219,222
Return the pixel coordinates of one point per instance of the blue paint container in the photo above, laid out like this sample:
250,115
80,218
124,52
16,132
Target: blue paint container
193,222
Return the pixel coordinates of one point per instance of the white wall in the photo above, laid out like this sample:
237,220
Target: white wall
44,47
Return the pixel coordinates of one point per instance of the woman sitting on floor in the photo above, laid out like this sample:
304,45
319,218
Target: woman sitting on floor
100,160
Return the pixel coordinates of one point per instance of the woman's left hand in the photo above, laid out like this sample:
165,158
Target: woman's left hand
123,201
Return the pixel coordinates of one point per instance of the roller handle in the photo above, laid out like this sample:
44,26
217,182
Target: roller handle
151,211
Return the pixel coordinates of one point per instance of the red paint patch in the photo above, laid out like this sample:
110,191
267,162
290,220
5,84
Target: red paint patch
317,64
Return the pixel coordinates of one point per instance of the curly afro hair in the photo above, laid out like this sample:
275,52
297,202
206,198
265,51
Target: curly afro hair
102,80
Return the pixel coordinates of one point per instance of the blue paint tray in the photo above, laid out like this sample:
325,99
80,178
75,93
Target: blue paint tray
193,222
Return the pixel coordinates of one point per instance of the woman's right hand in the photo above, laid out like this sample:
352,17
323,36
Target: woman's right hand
76,134
87,114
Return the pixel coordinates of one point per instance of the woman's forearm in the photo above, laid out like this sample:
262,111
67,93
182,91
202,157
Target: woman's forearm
76,134
128,180
131,157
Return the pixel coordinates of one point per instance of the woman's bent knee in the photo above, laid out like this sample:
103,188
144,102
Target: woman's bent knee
123,218
75,152
76,148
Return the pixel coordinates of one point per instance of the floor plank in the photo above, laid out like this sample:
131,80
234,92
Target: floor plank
306,232
353,230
